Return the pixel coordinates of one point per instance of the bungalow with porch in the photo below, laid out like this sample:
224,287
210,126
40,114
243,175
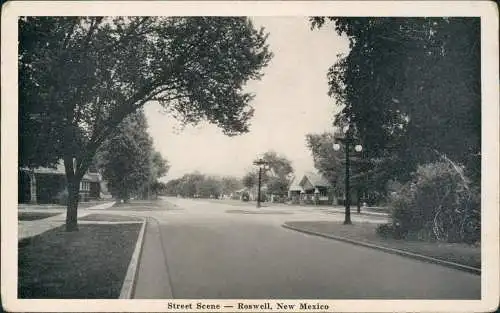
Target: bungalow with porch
311,188
45,184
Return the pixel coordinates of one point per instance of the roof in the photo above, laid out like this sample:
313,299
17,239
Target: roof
295,184
59,169
317,180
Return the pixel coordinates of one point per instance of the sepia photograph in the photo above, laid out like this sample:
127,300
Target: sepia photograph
233,160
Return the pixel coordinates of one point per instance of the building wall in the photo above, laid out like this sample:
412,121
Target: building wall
49,187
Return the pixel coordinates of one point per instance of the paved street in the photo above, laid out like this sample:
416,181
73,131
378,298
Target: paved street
206,250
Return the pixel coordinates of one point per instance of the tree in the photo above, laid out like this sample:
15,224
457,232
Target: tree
210,187
410,87
279,174
125,159
326,160
250,180
84,75
230,184
279,165
159,167
159,164
172,187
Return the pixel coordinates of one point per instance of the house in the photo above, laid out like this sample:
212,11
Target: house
294,191
46,185
311,188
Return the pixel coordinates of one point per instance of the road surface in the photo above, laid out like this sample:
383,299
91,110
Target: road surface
208,250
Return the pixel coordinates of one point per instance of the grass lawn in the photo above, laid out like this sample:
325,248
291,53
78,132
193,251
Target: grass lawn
366,232
109,218
91,263
32,216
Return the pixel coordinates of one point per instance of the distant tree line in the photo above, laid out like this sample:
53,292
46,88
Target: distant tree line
202,186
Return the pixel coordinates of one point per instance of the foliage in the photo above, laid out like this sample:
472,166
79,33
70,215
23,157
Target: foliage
410,86
158,168
438,203
158,187
81,76
125,159
279,165
251,179
230,184
195,185
331,163
277,185
276,177
326,160
160,165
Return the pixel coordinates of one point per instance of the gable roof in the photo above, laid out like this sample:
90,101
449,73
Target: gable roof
317,180
295,184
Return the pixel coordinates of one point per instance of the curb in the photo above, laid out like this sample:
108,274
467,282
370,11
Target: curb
130,278
412,255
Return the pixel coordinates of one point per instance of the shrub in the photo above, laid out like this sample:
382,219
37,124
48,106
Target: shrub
390,230
385,230
245,196
438,204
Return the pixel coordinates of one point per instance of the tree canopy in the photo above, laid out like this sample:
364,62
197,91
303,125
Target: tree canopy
126,159
204,186
81,76
277,176
129,163
411,88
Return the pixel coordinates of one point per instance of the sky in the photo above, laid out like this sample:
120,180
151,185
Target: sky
290,101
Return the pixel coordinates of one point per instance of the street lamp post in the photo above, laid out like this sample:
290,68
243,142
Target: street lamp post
347,140
262,164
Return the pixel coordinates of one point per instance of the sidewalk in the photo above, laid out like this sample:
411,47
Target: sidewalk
152,281
36,227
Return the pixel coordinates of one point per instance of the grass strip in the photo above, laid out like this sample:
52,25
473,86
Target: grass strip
88,264
366,232
33,216
109,218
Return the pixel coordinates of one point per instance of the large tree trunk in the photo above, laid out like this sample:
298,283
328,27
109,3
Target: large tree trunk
73,184
72,206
